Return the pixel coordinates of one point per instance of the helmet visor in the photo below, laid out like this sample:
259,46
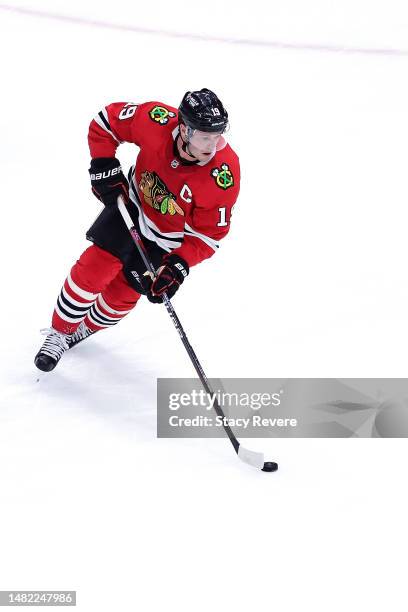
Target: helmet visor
206,142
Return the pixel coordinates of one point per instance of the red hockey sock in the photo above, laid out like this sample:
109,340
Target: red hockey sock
114,303
92,273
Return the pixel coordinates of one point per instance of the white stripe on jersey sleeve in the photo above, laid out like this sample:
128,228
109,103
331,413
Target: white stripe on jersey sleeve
101,124
214,244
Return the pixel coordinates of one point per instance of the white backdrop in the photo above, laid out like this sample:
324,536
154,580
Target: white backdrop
311,281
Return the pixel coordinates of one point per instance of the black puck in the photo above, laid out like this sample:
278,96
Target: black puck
270,466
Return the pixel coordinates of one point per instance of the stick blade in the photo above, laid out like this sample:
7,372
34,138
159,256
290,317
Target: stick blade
251,457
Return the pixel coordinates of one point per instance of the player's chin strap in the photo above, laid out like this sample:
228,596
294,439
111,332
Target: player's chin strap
185,143
186,148
248,456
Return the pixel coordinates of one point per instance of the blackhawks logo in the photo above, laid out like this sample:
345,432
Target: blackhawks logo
156,194
161,115
223,176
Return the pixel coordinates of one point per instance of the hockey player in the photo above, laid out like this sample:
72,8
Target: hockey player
179,194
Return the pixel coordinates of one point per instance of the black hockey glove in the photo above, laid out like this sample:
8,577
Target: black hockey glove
169,277
107,180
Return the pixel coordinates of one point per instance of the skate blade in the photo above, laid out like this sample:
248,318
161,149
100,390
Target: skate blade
40,375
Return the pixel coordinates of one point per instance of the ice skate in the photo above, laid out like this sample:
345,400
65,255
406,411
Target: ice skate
80,334
52,350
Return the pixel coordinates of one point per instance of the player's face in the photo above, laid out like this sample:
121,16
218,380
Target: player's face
204,143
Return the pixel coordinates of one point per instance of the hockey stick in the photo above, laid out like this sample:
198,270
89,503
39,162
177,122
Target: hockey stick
253,458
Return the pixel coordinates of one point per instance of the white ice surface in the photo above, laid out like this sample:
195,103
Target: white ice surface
312,281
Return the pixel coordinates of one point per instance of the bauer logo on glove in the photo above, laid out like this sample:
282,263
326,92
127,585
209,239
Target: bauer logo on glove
107,180
104,175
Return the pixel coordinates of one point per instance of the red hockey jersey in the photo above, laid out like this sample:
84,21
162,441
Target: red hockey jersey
185,209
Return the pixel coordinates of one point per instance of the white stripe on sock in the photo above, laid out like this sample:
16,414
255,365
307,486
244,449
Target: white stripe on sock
86,295
106,306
